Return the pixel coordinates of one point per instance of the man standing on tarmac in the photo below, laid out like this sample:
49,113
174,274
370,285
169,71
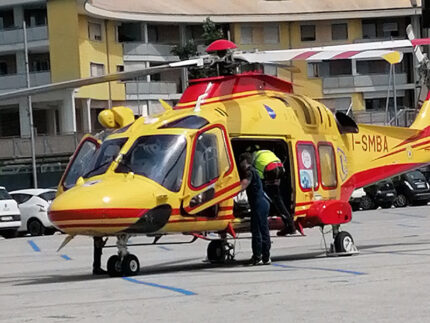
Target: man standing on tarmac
259,211
270,169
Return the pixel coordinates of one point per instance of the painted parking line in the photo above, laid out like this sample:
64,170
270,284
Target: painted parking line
34,245
174,289
321,268
65,257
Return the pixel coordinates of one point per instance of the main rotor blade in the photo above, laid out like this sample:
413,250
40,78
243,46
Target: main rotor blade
121,76
369,50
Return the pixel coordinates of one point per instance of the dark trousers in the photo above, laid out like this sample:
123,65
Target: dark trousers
260,229
98,245
273,191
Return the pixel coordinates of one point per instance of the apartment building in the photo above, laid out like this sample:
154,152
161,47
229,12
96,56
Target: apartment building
71,39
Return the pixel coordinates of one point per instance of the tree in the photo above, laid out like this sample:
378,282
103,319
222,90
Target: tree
211,32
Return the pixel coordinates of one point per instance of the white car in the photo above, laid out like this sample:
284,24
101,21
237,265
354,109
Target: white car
10,218
34,204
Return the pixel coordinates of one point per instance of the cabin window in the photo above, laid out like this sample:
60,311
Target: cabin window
190,122
80,164
210,158
307,166
327,166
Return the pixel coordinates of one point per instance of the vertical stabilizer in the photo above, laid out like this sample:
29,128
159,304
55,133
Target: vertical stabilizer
422,120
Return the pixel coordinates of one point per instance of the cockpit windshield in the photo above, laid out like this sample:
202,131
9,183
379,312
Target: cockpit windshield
160,158
105,155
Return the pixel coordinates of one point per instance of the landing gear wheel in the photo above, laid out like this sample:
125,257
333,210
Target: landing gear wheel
220,252
35,228
114,267
130,265
400,201
343,242
366,203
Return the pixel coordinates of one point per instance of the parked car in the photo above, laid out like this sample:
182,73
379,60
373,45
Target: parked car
355,199
381,194
10,218
412,188
34,204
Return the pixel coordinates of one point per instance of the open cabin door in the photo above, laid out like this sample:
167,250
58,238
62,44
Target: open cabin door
79,163
212,176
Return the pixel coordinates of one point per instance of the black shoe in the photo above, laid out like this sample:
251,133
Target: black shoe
254,261
99,271
267,261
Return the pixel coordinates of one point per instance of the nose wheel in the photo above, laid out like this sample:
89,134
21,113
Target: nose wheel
220,251
124,263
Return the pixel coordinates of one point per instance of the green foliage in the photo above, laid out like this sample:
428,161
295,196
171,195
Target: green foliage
186,51
210,31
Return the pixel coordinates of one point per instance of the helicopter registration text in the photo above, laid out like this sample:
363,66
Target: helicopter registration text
371,143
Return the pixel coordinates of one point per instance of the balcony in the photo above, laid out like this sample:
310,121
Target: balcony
134,51
363,83
17,81
13,39
12,148
152,90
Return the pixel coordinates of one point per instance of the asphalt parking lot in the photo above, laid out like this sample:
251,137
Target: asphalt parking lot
388,281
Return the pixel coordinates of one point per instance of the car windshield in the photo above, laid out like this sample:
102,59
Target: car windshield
48,196
158,157
4,195
104,156
415,176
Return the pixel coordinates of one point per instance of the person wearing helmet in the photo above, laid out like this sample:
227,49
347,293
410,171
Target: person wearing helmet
251,182
270,169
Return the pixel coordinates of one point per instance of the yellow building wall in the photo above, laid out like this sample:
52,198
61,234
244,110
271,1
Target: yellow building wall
290,37
96,52
63,40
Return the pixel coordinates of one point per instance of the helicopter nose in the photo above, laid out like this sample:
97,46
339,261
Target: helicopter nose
99,209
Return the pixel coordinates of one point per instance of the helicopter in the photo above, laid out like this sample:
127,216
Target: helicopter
176,172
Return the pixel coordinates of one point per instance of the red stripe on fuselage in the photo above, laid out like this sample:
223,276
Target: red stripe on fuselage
91,214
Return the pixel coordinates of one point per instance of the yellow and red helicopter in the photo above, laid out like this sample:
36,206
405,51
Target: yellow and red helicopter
176,172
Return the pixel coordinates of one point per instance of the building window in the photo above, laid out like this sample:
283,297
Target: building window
35,17
339,31
307,32
314,69
271,33
97,69
120,68
246,35
94,31
6,19
7,64
39,62
340,67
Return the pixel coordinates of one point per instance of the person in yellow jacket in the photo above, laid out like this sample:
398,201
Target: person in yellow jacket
270,169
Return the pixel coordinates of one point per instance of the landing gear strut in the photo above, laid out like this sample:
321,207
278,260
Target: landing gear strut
124,263
343,244
220,251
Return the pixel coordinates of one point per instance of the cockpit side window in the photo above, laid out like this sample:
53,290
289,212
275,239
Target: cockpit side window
105,156
210,158
81,163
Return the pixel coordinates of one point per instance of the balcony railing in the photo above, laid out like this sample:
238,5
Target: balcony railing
134,88
16,35
12,148
368,82
148,49
17,81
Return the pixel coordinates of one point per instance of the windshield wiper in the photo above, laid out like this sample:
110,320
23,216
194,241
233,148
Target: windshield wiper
87,174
